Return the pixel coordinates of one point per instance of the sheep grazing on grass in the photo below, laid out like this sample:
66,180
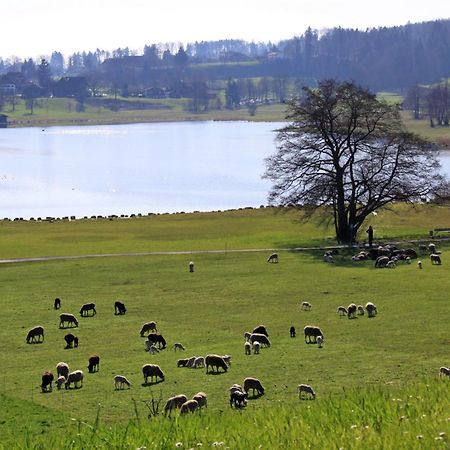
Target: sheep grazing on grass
75,377
305,391
94,363
238,399
351,311
360,310
342,311
260,329
255,385
248,348
189,406
147,327
256,347
292,332
182,362
174,402
71,340
435,259
62,369
60,381
155,338
273,258
120,381
235,387
444,372
199,361
311,334
69,319
306,306
419,264
215,361
152,371
35,335
319,341
191,267
177,346
191,361
119,308
371,309
392,264
381,262
247,335
201,398
84,311
57,303
261,338
47,380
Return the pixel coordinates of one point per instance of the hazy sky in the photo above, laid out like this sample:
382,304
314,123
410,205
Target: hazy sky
32,28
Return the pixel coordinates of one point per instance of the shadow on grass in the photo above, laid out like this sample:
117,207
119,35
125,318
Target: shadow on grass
151,383
212,372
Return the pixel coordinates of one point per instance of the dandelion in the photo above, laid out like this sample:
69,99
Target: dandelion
179,444
442,434
353,427
419,436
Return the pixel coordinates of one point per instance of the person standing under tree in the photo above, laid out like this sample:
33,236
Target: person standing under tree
369,232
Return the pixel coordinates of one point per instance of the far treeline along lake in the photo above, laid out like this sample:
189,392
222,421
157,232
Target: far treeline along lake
132,169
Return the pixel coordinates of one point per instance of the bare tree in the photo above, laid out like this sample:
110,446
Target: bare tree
345,149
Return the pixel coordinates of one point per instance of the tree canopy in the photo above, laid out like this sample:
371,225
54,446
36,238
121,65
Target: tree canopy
346,149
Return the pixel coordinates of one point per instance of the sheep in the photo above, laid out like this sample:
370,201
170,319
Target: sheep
256,347
191,267
84,311
305,389
260,329
147,327
151,348
392,264
361,256
435,259
36,332
328,257
306,306
57,303
119,308
120,381
371,309
238,398
254,384
199,362
182,362
215,361
178,346
342,311
94,363
360,310
60,381
235,387
174,402
312,332
75,377
319,341
261,338
408,260
155,338
273,258
381,262
152,371
419,264
201,398
248,348
69,318
432,248
189,406
62,369
247,335
47,380
190,362
71,340
351,311
444,372
292,332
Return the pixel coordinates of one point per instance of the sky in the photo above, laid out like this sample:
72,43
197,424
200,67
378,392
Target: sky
36,28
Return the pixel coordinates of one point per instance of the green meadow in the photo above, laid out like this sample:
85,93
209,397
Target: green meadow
376,379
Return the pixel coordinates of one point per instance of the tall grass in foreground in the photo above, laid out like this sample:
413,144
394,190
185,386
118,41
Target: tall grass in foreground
382,417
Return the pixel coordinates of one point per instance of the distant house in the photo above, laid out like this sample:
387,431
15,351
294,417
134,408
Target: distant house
70,87
3,121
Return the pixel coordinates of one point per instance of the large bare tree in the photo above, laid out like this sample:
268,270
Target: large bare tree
346,149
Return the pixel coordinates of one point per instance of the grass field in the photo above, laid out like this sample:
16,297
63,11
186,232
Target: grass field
365,366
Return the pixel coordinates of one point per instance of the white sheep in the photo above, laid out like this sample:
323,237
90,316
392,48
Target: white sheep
199,361
341,311
120,381
254,384
305,389
190,361
248,348
236,387
201,398
320,341
189,406
419,264
247,335
178,346
435,259
371,309
75,377
306,306
360,310
256,347
174,402
60,381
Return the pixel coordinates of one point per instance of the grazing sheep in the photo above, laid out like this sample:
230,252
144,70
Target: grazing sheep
201,398
152,371
47,380
371,309
254,384
71,340
215,361
248,348
312,332
189,406
199,362
381,262
57,303
292,332
342,311
182,362
235,387
35,333
62,369
256,347
191,361
360,310
319,341
70,319
75,377
60,381
177,346
392,264
305,389
191,267
261,338
361,256
155,338
419,264
84,311
238,399
328,256
174,402
94,363
444,372
147,327
120,381
260,329
351,311
247,335
119,308
306,306
435,259
273,258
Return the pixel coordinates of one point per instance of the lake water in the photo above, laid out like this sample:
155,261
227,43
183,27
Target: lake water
125,169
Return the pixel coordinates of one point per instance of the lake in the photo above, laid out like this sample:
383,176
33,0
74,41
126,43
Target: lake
139,168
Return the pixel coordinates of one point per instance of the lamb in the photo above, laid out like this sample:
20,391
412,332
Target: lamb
261,329
238,398
292,332
236,387
174,402
256,347
62,369
319,341
120,381
94,363
152,371
189,406
84,311
381,262
70,319
191,267
305,389
36,332
147,327
419,264
71,340
312,332
248,348
371,309
261,338
444,372
435,259
182,362
215,361
306,306
201,398
254,384
178,346
273,258
119,308
351,311
47,380
199,362
60,381
342,311
247,335
360,310
57,303
75,377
